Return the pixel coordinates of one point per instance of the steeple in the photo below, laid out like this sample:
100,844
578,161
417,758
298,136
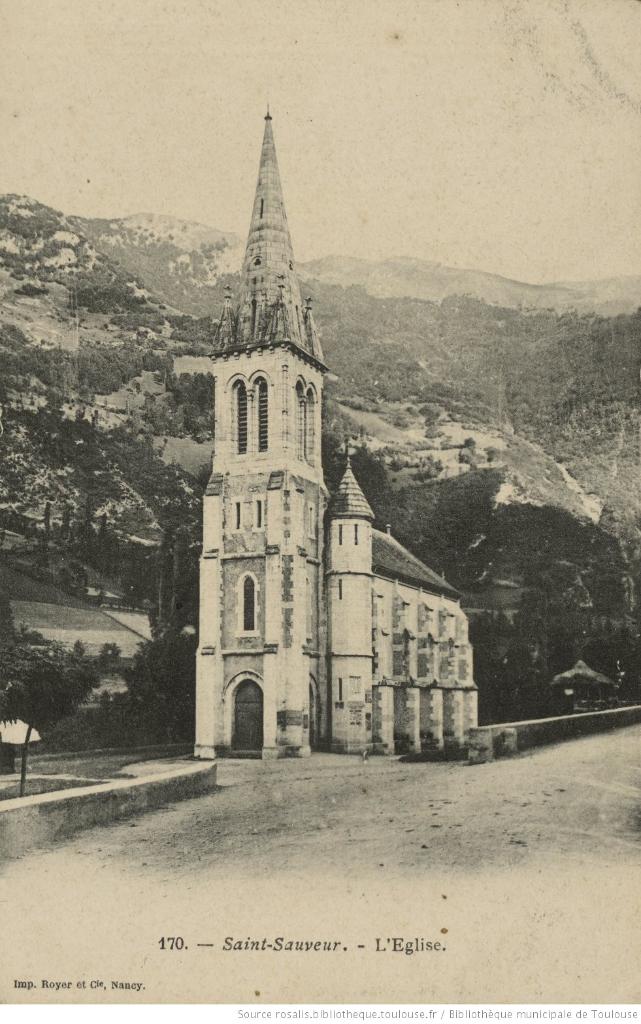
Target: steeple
270,310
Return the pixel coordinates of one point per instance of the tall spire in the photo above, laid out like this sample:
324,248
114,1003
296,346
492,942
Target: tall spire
270,308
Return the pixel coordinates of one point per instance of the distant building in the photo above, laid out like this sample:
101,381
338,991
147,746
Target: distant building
317,631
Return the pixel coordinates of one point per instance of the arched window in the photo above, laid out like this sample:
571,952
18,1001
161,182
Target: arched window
310,437
309,608
249,605
240,417
301,419
262,410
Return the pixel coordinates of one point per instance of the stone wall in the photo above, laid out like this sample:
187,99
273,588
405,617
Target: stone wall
507,738
32,821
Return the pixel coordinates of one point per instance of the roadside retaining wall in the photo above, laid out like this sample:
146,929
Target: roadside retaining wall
32,821
490,741
151,750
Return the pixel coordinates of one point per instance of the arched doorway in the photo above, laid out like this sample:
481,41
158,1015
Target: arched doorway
248,717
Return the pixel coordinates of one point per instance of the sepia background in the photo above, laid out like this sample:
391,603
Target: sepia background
462,187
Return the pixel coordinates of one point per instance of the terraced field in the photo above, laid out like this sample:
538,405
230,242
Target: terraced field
66,618
66,625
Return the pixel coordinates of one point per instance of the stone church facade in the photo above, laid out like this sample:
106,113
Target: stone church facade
316,630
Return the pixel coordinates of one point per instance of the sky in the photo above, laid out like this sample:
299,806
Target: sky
503,135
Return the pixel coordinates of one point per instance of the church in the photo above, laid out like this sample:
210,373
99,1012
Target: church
317,631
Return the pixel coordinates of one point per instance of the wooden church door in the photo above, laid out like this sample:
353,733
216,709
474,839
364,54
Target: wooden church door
248,717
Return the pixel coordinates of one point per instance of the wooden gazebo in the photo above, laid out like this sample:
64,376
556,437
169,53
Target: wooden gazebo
581,688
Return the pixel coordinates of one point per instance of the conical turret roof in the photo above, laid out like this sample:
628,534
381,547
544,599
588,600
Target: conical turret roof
270,309
349,502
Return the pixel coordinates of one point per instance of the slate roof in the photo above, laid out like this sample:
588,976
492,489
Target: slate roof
349,502
389,558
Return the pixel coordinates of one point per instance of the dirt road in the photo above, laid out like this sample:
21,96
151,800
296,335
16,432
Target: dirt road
526,871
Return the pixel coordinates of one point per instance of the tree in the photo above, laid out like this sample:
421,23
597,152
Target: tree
109,658
432,413
65,526
162,683
41,683
46,534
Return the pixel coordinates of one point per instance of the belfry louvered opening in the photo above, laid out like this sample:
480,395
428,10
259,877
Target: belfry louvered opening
263,414
240,410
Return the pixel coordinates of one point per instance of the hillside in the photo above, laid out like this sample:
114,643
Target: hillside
65,618
477,427
410,366
180,260
45,257
82,487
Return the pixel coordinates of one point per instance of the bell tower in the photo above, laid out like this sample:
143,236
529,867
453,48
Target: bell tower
261,680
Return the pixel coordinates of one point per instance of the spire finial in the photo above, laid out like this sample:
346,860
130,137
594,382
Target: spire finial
268,116
348,459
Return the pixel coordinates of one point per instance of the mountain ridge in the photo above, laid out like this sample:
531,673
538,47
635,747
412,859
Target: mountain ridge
409,277
184,260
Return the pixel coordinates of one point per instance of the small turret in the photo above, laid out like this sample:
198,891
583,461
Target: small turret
349,502
350,612
351,518
277,326
225,329
311,333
